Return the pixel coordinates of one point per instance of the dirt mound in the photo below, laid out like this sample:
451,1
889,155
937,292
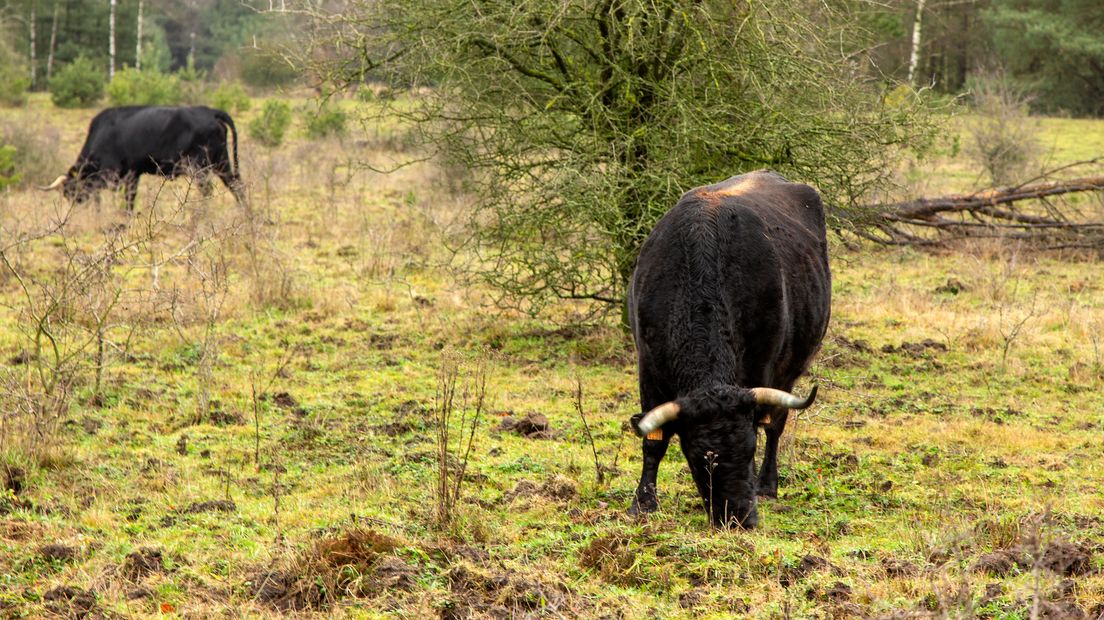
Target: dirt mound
58,553
13,478
357,563
952,286
532,426
70,602
915,349
504,595
613,558
1065,558
559,488
142,563
808,565
1058,556
215,505
894,567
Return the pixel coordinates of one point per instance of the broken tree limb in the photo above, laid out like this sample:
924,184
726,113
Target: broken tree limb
985,201
995,213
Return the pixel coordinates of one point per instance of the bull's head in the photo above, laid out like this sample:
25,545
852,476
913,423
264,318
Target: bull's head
76,185
717,427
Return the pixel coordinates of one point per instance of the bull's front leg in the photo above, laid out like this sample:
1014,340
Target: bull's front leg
645,500
768,471
130,189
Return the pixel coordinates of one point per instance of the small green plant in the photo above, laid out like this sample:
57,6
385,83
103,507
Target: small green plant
78,84
324,121
270,127
231,97
8,175
148,87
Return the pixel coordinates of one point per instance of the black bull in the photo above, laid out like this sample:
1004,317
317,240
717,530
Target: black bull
728,305
125,143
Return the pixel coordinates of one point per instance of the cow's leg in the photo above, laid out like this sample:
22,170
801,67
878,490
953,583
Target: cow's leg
234,183
203,180
645,499
768,471
130,187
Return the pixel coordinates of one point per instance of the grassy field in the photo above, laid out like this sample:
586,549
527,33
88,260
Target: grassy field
264,443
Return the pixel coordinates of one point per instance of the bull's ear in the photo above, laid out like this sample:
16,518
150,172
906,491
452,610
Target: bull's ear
634,422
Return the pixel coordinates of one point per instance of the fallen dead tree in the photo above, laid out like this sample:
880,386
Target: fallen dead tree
1038,210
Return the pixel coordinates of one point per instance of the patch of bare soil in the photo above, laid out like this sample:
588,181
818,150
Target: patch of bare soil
70,602
143,563
357,563
532,426
505,595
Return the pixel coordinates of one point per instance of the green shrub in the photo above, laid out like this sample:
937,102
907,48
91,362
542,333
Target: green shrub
77,84
265,69
324,120
231,97
270,127
8,175
147,87
14,81
193,85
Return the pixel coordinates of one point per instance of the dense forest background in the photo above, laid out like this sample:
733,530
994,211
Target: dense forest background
1050,49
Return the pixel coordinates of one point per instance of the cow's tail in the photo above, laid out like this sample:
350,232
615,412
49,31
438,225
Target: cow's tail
224,118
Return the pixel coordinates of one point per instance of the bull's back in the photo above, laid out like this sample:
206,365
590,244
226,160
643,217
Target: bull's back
733,285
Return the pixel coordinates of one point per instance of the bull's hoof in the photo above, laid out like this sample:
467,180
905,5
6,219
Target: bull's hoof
768,498
641,508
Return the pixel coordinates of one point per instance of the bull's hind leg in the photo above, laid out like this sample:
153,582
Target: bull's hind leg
234,183
645,499
768,471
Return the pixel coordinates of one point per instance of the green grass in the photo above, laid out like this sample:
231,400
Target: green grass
910,468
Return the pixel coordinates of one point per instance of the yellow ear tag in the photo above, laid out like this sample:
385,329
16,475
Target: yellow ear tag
656,435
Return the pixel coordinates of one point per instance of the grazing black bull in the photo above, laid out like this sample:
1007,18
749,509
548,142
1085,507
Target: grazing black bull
728,305
125,143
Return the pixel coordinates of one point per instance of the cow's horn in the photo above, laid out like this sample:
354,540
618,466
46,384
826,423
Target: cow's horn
657,417
780,398
56,184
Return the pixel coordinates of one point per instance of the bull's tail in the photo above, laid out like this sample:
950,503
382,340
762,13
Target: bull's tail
224,118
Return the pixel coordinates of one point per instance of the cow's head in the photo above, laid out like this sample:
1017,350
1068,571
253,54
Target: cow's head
77,185
717,427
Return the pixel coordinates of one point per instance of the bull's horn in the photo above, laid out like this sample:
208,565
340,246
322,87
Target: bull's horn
56,184
657,417
780,398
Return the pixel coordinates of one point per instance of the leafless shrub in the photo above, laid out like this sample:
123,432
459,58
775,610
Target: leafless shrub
1003,140
36,153
453,455
598,471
